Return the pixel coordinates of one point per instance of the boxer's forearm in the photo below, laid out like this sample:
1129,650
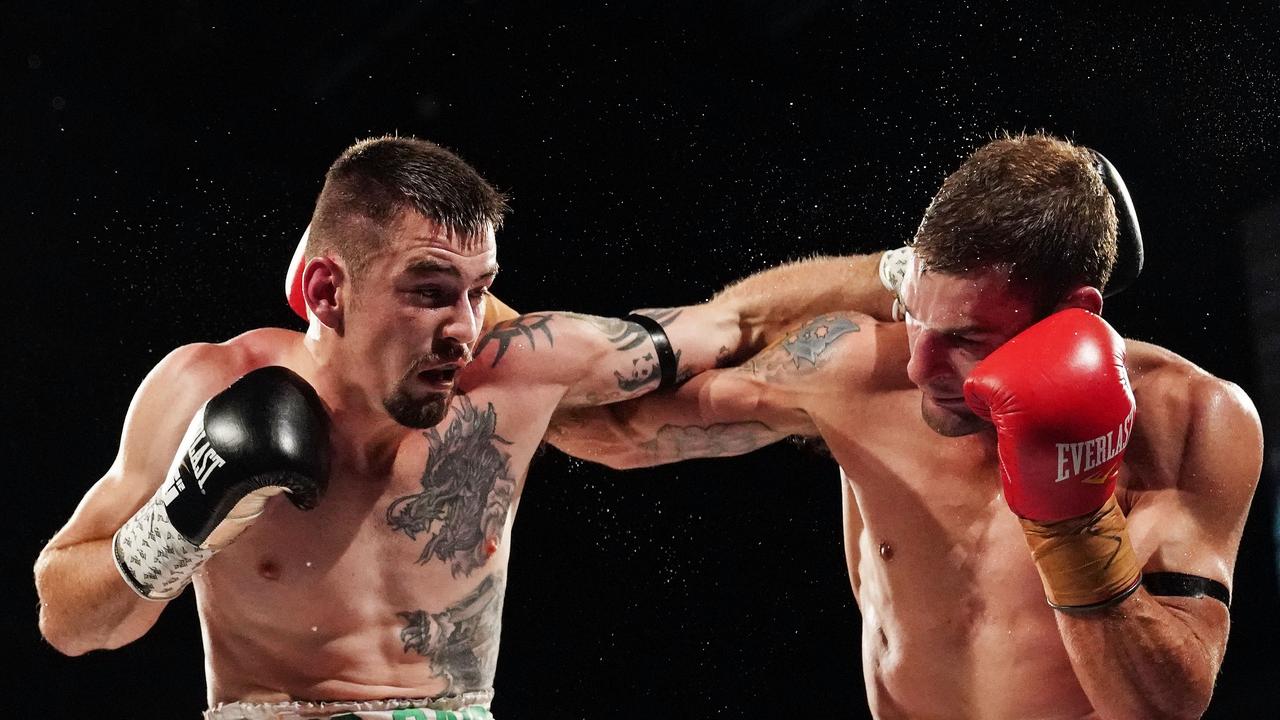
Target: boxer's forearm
771,301
1141,659
84,603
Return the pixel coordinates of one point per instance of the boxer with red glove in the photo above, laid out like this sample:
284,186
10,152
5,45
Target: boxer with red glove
1059,397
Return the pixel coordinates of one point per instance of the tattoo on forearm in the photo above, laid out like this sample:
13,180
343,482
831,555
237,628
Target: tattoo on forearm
467,490
680,442
461,642
524,326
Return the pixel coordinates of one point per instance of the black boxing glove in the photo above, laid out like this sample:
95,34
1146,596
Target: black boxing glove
266,434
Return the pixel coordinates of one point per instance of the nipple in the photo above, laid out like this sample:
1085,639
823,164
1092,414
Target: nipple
269,570
490,546
886,551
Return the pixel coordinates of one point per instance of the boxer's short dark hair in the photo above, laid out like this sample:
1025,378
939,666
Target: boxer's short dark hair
1034,202
374,181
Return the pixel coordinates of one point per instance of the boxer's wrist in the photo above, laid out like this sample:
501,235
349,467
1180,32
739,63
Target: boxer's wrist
1085,562
154,559
893,266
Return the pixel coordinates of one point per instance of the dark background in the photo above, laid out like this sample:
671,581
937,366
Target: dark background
162,159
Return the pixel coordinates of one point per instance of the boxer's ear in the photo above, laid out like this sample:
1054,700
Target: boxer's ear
1085,297
323,281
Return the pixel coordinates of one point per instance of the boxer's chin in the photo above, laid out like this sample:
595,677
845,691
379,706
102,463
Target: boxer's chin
420,411
948,420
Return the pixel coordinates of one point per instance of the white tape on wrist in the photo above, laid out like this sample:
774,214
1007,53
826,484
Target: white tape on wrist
153,557
893,266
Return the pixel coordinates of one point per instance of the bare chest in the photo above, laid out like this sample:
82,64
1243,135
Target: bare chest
418,531
950,598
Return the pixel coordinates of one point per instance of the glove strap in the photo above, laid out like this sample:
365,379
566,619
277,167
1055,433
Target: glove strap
1085,563
153,557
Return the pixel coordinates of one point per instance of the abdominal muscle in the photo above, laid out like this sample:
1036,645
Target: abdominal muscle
299,610
954,619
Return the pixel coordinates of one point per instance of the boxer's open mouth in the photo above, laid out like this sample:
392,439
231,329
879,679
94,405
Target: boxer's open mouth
439,376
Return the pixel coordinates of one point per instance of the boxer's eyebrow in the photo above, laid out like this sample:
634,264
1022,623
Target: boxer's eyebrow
965,330
426,267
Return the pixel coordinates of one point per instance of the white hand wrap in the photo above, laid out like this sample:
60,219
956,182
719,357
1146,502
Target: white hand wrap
893,266
152,556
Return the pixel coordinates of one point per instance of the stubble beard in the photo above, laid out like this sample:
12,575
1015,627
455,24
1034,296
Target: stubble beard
417,412
947,423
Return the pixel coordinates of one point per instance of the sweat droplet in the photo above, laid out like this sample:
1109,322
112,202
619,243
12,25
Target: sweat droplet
315,629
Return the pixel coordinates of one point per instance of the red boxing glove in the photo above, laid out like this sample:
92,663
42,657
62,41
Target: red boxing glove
293,280
1059,397
1060,400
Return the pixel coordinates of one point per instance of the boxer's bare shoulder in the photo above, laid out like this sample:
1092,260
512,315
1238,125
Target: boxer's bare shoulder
1183,411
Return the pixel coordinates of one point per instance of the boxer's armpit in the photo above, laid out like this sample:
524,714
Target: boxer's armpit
460,642
685,442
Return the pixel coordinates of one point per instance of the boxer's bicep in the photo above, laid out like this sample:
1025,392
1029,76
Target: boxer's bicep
1195,528
591,360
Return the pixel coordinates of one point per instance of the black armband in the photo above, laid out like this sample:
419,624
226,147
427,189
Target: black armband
661,345
1183,585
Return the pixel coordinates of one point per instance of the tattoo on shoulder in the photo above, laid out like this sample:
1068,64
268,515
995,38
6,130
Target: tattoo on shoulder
467,490
461,642
522,327
678,442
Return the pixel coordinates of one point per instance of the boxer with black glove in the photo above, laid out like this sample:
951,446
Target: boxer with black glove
264,435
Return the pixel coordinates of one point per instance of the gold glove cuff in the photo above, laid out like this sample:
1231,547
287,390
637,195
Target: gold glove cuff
1085,562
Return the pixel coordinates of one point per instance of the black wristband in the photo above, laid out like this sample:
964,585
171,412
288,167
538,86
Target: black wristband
661,345
1184,585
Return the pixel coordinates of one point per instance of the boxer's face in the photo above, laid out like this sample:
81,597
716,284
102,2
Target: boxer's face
953,322
415,315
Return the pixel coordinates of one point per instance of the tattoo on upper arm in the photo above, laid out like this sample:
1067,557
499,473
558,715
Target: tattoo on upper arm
802,351
808,343
461,642
680,442
627,336
504,332
467,490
